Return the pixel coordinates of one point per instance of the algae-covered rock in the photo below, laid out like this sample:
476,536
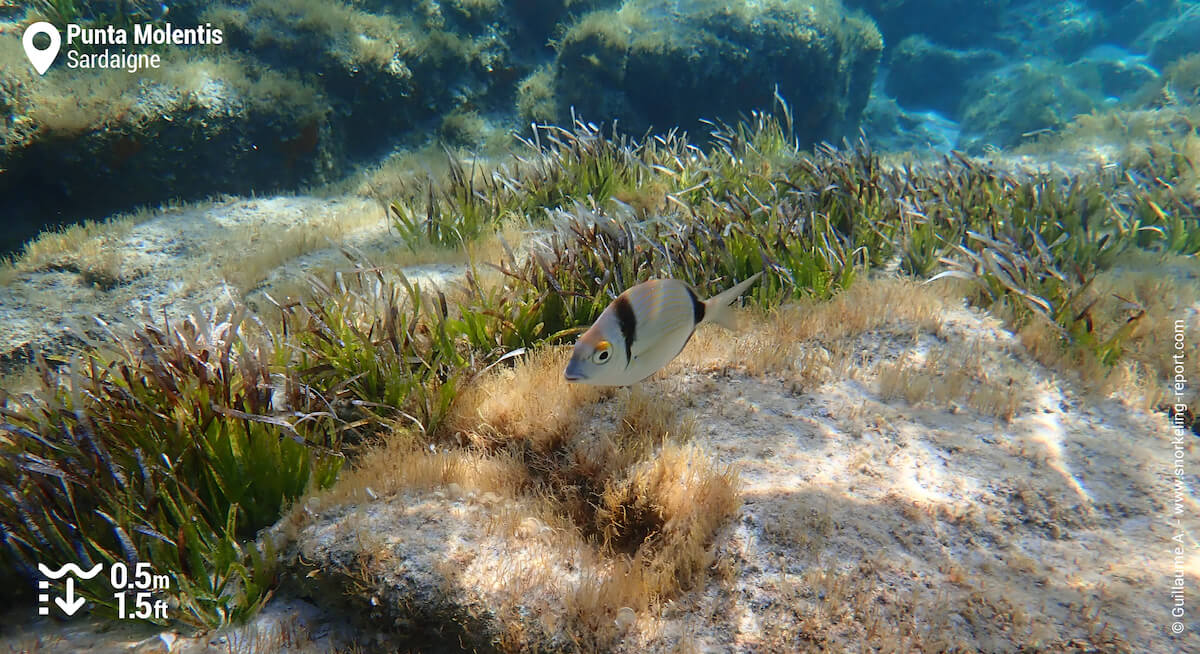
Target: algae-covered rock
1112,73
84,143
535,96
890,127
431,572
957,23
653,65
1060,29
1183,77
539,19
1126,19
1177,88
1172,38
388,68
925,75
294,90
1019,101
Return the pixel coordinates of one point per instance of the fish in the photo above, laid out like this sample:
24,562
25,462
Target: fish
644,329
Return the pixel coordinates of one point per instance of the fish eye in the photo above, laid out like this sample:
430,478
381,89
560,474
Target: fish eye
602,352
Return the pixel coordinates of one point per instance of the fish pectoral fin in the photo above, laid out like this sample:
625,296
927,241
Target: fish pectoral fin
642,345
672,339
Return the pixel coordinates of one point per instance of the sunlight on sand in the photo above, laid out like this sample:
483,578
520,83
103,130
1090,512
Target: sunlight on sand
1046,430
930,485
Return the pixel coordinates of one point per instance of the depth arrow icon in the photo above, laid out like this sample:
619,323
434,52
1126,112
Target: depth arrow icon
70,604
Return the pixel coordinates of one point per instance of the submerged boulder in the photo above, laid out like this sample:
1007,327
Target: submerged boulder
892,128
926,75
80,144
1112,73
1126,19
1020,101
651,65
1172,38
1061,29
293,92
390,71
957,23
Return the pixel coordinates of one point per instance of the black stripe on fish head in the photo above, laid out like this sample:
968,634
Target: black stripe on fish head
697,307
628,323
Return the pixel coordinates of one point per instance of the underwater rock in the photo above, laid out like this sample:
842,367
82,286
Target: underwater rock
1063,29
281,103
535,96
891,128
958,23
652,65
1124,20
417,568
1017,102
1018,28
925,75
390,72
537,20
1112,72
1180,81
849,470
81,144
1172,38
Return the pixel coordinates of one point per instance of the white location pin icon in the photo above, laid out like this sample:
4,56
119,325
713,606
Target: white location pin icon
41,59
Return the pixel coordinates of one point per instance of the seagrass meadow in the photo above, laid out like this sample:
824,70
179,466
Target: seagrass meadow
210,443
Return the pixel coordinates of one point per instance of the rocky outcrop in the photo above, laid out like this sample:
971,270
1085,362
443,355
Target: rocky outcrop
968,517
1008,68
1112,73
653,66
1018,102
1061,29
925,75
293,92
956,23
388,69
892,128
86,143
1172,38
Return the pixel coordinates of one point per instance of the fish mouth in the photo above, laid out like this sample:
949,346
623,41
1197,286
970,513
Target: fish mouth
571,378
572,374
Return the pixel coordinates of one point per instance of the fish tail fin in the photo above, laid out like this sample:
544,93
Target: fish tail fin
717,308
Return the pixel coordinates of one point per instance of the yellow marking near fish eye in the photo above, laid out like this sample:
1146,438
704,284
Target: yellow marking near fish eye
601,355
